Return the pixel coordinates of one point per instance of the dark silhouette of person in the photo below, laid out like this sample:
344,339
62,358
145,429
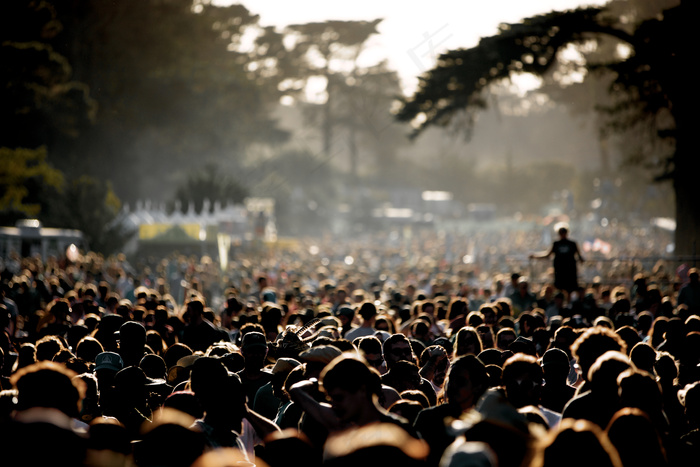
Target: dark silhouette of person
576,443
636,439
253,375
227,422
556,391
590,345
131,395
132,342
466,382
353,389
397,348
689,293
200,333
600,403
42,430
566,253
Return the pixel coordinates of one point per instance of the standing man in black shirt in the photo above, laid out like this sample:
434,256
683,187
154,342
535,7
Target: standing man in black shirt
566,253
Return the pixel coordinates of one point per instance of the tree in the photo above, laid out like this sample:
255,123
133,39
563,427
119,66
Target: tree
652,83
364,109
209,183
40,102
22,173
318,46
89,205
138,89
39,97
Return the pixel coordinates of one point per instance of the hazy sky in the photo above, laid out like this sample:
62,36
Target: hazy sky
412,33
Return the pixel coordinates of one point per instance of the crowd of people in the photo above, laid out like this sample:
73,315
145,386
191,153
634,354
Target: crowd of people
399,353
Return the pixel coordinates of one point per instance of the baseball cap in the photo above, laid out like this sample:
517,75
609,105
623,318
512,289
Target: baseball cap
108,360
253,339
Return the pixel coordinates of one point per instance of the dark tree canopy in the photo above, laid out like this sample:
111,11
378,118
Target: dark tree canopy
654,79
132,89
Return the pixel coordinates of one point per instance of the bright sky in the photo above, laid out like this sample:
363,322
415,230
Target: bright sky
412,33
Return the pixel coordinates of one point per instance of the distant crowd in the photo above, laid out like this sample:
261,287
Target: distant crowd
391,352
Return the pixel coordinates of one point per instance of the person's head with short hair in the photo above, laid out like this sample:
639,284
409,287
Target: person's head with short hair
49,385
407,409
397,348
171,439
638,388
522,378
155,342
643,356
153,366
629,335
341,294
351,385
488,311
466,381
47,347
254,350
26,355
233,307
132,341
505,337
385,323
635,438
88,348
555,366
368,311
371,349
604,372
345,314
404,375
593,343
665,369
563,339
194,310
506,322
175,352
562,230
211,383
419,330
542,338
474,319
60,309
108,434
576,443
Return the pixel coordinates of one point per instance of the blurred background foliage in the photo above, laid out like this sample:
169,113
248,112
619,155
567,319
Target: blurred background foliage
103,104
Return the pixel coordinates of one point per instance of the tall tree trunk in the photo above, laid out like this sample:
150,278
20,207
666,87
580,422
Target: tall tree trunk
327,124
686,185
354,156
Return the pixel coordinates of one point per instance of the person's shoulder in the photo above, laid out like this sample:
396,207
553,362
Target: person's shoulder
436,411
578,405
353,333
388,417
